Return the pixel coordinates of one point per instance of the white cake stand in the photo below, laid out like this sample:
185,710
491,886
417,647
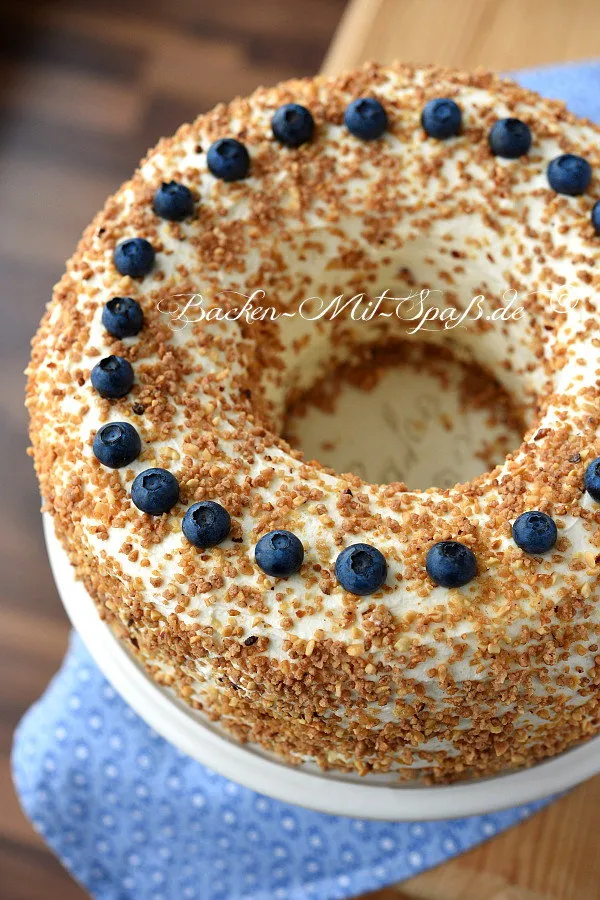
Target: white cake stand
371,797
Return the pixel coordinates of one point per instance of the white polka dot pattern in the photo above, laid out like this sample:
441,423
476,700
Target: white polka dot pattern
130,816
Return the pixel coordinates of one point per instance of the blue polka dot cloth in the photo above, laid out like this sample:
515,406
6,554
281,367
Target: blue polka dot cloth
132,818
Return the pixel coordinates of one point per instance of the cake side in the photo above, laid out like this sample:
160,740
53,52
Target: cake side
445,683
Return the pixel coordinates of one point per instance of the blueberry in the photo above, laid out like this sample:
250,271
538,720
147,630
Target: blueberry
206,524
361,569
122,317
441,118
279,553
596,217
134,257
569,174
155,491
228,159
451,564
293,125
366,118
173,201
117,444
534,532
112,377
592,479
509,138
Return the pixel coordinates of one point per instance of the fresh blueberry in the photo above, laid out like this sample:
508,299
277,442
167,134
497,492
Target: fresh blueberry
112,377
509,138
134,257
366,118
122,317
293,125
441,118
117,444
155,491
592,479
569,174
228,159
173,201
279,553
451,564
361,569
534,532
206,524
596,217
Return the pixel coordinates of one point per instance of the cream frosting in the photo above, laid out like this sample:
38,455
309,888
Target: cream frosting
452,682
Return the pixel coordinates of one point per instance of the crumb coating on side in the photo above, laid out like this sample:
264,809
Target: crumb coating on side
440,684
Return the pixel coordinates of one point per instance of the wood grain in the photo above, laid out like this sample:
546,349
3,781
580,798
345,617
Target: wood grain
496,34
554,856
85,87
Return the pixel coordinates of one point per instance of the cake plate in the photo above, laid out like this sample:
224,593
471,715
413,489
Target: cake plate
369,797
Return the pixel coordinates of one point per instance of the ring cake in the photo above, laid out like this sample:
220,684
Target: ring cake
439,634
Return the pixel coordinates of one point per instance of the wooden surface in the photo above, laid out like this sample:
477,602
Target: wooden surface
555,855
85,88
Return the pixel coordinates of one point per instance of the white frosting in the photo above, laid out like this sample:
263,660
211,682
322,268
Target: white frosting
490,257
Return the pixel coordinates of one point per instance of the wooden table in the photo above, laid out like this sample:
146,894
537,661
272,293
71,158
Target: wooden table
555,855
497,34
85,87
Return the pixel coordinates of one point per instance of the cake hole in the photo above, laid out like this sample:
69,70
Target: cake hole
411,413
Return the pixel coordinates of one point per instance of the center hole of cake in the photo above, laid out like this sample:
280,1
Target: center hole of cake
410,413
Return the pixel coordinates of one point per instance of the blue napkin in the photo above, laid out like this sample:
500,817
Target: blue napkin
132,818
575,83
